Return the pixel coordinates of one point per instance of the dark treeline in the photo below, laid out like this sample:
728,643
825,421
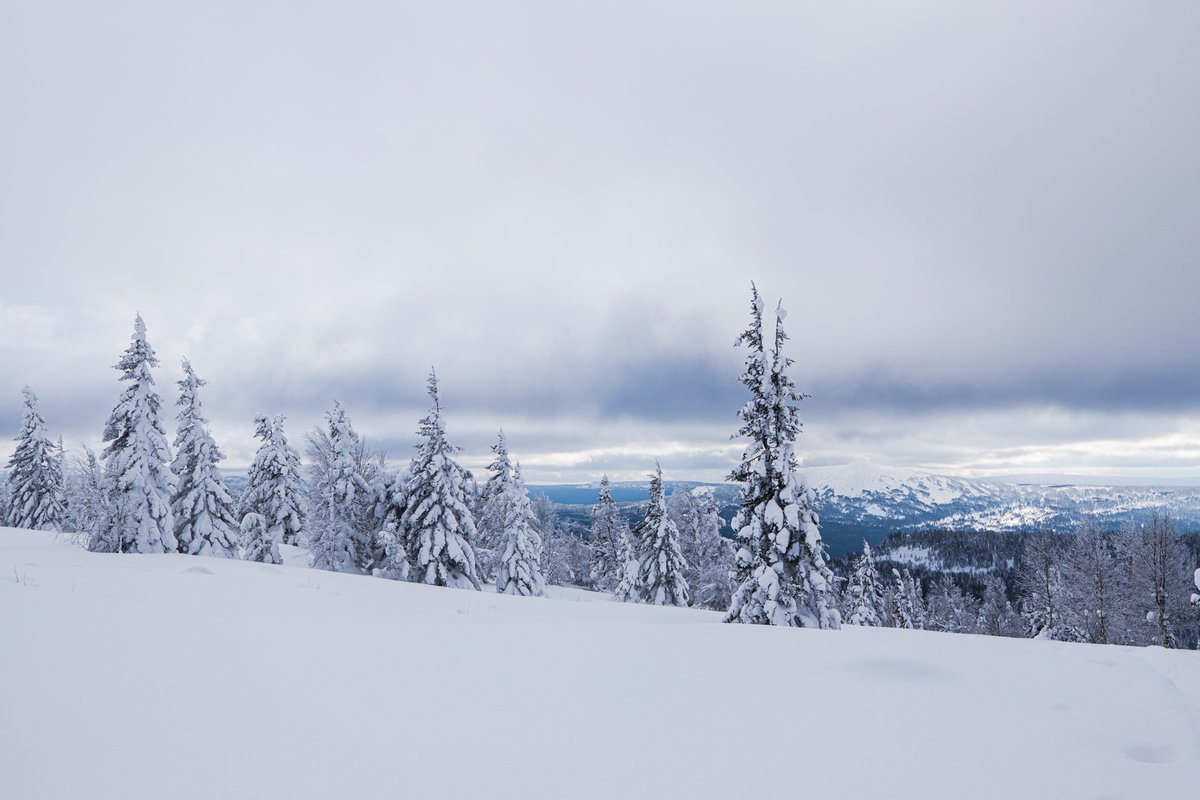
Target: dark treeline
1130,586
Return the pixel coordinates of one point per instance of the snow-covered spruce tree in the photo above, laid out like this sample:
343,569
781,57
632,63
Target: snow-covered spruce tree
996,614
781,570
684,512
391,499
202,507
863,601
258,543
709,574
437,528
136,458
340,520
493,505
273,487
35,474
518,567
908,607
661,565
610,541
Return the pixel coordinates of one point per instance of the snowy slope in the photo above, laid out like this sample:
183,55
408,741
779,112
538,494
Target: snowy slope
186,677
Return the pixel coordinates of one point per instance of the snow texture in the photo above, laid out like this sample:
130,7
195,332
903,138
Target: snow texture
565,679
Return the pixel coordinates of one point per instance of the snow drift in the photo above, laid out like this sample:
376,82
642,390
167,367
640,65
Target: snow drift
150,676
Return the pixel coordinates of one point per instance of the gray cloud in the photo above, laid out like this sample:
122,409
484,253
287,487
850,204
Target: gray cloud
971,211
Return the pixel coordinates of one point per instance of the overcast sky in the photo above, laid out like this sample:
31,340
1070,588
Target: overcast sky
983,218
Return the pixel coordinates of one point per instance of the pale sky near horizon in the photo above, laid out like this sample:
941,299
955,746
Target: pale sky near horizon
983,218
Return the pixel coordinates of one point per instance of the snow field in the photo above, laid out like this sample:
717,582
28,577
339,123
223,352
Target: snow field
154,676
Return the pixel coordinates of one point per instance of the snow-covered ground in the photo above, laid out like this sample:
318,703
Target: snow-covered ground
185,677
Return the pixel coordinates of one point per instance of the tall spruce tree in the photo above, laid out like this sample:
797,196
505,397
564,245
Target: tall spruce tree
202,507
610,541
35,474
661,565
273,487
339,529
863,601
437,528
518,567
781,570
136,458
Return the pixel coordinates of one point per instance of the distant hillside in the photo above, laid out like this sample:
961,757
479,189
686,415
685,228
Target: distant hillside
868,501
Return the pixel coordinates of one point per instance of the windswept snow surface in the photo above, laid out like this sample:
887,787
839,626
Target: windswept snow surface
170,676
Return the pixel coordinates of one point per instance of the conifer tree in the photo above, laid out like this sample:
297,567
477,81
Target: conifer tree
709,575
258,543
781,570
339,527
908,607
493,505
519,570
950,610
201,506
864,597
136,458
35,474
685,513
391,500
437,528
996,615
610,541
273,487
627,586
661,565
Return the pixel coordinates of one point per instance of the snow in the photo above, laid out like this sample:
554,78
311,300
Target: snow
861,478
918,556
256,680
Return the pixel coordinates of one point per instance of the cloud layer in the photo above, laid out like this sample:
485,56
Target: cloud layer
984,220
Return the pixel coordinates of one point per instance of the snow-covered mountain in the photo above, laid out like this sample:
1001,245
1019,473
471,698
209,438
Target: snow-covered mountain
864,500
